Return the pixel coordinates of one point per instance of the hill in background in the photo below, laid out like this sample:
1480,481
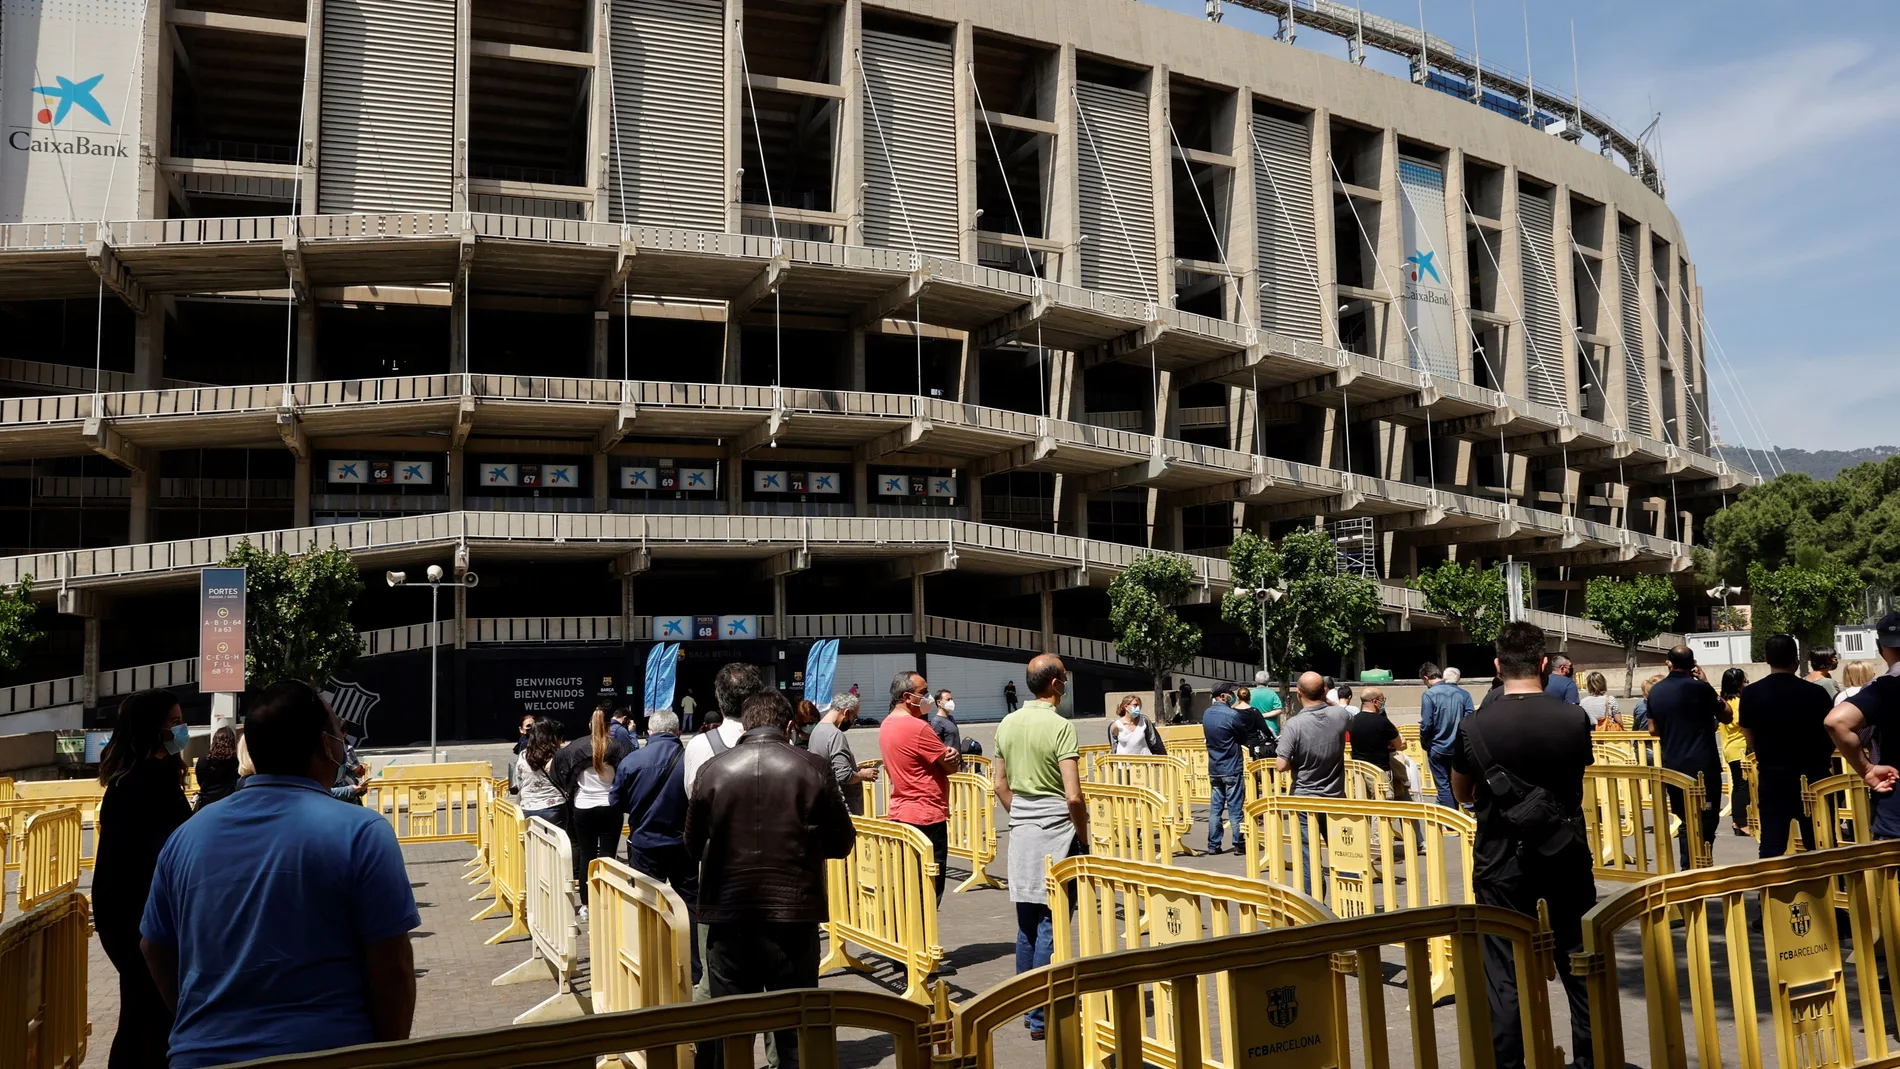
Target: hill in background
1820,463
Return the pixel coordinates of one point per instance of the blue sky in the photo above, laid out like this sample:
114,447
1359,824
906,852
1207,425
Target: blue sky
1780,142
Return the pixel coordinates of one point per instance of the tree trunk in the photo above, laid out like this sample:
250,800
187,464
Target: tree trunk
1629,669
1157,706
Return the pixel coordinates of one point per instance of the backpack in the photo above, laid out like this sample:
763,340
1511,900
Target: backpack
1543,826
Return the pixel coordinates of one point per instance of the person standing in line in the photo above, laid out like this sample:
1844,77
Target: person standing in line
584,774
1184,704
1374,738
829,742
1528,746
144,804
1453,675
1313,748
762,822
943,721
919,766
1009,697
1684,711
1443,708
1342,697
1855,675
805,718
1823,660
218,769
1785,720
1600,704
650,787
1130,734
732,685
617,724
1734,743
539,796
1039,784
1874,709
1226,764
303,944
1562,683
1639,719
689,710
521,743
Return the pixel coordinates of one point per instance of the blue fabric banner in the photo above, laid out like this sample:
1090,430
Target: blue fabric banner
821,668
663,662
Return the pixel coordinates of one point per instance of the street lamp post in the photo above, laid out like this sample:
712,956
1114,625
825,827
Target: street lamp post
1265,596
435,585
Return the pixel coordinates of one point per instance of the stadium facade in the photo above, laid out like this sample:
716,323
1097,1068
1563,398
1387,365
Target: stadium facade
904,322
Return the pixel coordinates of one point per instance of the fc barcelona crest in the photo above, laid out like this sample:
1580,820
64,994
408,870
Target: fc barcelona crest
1174,920
1345,835
1800,919
1283,1006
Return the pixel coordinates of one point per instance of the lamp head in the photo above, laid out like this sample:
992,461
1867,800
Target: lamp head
396,578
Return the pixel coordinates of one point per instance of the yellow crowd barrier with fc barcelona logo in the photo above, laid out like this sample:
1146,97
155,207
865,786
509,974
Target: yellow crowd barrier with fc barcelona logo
43,961
883,897
49,856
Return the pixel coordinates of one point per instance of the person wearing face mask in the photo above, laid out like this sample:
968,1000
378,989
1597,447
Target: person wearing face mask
919,766
144,803
828,741
943,721
805,717
1130,733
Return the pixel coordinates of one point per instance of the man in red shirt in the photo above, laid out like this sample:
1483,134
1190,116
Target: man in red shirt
918,766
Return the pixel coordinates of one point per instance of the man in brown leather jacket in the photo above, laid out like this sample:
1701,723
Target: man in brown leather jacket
763,819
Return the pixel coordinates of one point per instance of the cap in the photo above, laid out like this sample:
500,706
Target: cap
1223,688
1887,631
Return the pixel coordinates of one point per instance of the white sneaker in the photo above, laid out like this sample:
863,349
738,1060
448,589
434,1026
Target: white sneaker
583,914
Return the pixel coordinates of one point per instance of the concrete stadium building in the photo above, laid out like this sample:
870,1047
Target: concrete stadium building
904,322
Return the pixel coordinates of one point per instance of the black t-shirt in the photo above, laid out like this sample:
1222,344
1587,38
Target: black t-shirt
1545,742
1684,711
1879,703
1369,733
1787,716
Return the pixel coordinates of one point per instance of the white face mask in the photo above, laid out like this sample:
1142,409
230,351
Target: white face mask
949,705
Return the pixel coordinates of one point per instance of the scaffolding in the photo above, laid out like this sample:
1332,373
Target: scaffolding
1357,545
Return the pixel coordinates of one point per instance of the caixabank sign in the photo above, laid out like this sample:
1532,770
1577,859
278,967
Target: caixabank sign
69,101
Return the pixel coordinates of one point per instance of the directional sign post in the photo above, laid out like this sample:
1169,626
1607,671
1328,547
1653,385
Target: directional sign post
221,631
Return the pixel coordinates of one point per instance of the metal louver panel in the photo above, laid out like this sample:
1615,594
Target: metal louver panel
1544,346
910,144
667,157
1115,178
1283,219
388,106
1698,438
1635,358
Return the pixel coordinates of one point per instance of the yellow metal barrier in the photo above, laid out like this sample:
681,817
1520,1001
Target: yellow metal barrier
1628,747
877,793
1840,810
1166,776
43,961
639,940
818,1016
1630,827
481,865
1354,851
1129,823
1363,780
441,810
6,788
1087,756
972,828
553,923
1288,996
1806,971
1750,776
49,854
45,796
883,898
1116,903
508,878
1200,783
977,765
438,770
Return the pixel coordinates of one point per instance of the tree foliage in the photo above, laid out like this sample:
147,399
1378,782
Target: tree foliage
1323,610
16,627
1630,611
1805,599
1149,633
1471,596
1852,520
297,614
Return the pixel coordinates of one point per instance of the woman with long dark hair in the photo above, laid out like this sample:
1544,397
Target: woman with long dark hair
218,770
584,772
1734,748
144,778
539,796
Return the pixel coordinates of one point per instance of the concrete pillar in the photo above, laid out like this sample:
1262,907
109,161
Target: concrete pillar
1325,258
461,617
312,101
778,606
307,342
729,367
458,197
1395,341
917,612
140,528
848,190
300,492
458,330
860,487
1161,163
602,469
1565,263
969,372
601,362
1457,257
1065,217
1047,602
964,46
972,494
855,374
1622,387
626,608
456,480
1516,357
1167,407
89,674
735,111
735,481
1238,234
148,346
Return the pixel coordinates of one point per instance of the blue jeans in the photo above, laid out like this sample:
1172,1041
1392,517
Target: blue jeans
1228,797
1035,945
1314,885
1441,776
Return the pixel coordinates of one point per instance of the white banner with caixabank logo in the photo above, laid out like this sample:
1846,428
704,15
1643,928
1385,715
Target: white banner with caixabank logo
69,109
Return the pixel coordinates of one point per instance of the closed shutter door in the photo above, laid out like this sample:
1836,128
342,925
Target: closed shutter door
872,673
1544,346
667,160
910,144
1283,217
1635,362
976,683
1116,180
388,108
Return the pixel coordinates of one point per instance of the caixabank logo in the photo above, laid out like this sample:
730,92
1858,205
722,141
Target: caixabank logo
57,102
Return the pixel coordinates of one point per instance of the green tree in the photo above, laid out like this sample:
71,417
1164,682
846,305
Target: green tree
1630,611
1149,633
1853,519
1469,596
16,628
1321,609
297,614
1805,599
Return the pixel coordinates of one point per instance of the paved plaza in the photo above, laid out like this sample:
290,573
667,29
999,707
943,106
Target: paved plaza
454,968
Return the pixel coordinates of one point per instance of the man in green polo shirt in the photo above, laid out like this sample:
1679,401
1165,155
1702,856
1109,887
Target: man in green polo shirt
1039,782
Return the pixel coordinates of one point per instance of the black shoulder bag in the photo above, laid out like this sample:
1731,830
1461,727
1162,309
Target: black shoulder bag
1538,816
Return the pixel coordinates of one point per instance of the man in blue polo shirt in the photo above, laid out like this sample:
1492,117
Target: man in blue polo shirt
279,919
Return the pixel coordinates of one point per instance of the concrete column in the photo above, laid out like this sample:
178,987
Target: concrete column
1622,389
312,102
964,47
855,374
601,363
1065,216
1511,290
735,111
729,367
1457,258
155,110
307,342
1325,260
969,372
148,346
1161,161
778,606
599,126
458,330
972,494
300,492
1564,258
847,191
602,468
457,483
1167,407
860,487
142,488
1238,236
1047,600
461,617
626,607
1651,326
458,198
89,674
917,612
735,481
1395,341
